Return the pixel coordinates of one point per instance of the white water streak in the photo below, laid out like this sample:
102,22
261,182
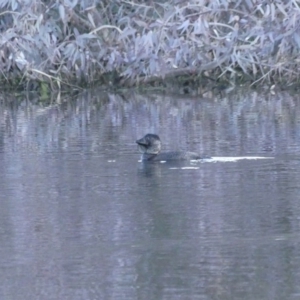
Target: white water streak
221,159
233,159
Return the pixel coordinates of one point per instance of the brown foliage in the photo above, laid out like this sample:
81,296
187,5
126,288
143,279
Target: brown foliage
142,41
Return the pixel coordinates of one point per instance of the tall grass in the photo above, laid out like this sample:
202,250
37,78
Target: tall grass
129,42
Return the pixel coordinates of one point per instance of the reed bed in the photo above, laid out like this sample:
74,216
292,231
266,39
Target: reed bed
131,42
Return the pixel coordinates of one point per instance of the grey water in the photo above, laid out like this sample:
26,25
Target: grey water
82,218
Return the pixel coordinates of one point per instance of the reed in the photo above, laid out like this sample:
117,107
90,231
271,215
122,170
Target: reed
131,42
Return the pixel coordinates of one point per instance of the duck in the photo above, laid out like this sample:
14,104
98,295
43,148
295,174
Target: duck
150,147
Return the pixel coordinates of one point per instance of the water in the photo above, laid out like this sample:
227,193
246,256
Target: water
82,218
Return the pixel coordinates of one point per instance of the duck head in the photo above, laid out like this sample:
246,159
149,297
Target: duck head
149,144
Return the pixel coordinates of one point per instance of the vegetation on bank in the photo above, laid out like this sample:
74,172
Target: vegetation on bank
129,42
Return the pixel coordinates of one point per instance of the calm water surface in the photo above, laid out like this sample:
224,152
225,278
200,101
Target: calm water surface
82,218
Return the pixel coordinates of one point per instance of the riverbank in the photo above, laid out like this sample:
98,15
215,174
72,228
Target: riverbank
133,43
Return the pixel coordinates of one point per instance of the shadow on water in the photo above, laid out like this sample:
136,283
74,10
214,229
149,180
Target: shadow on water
82,218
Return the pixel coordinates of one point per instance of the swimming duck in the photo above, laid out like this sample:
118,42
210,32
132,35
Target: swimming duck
150,146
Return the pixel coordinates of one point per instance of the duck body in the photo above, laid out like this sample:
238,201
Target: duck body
170,156
150,146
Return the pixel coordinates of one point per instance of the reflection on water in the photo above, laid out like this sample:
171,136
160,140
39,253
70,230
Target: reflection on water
82,218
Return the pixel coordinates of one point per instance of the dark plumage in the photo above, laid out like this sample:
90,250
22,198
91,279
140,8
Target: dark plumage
150,146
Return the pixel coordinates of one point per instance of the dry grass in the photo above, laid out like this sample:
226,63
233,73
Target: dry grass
130,42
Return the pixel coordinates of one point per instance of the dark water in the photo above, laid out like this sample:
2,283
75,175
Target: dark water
81,218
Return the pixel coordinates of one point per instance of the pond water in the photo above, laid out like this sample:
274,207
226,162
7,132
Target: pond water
82,218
